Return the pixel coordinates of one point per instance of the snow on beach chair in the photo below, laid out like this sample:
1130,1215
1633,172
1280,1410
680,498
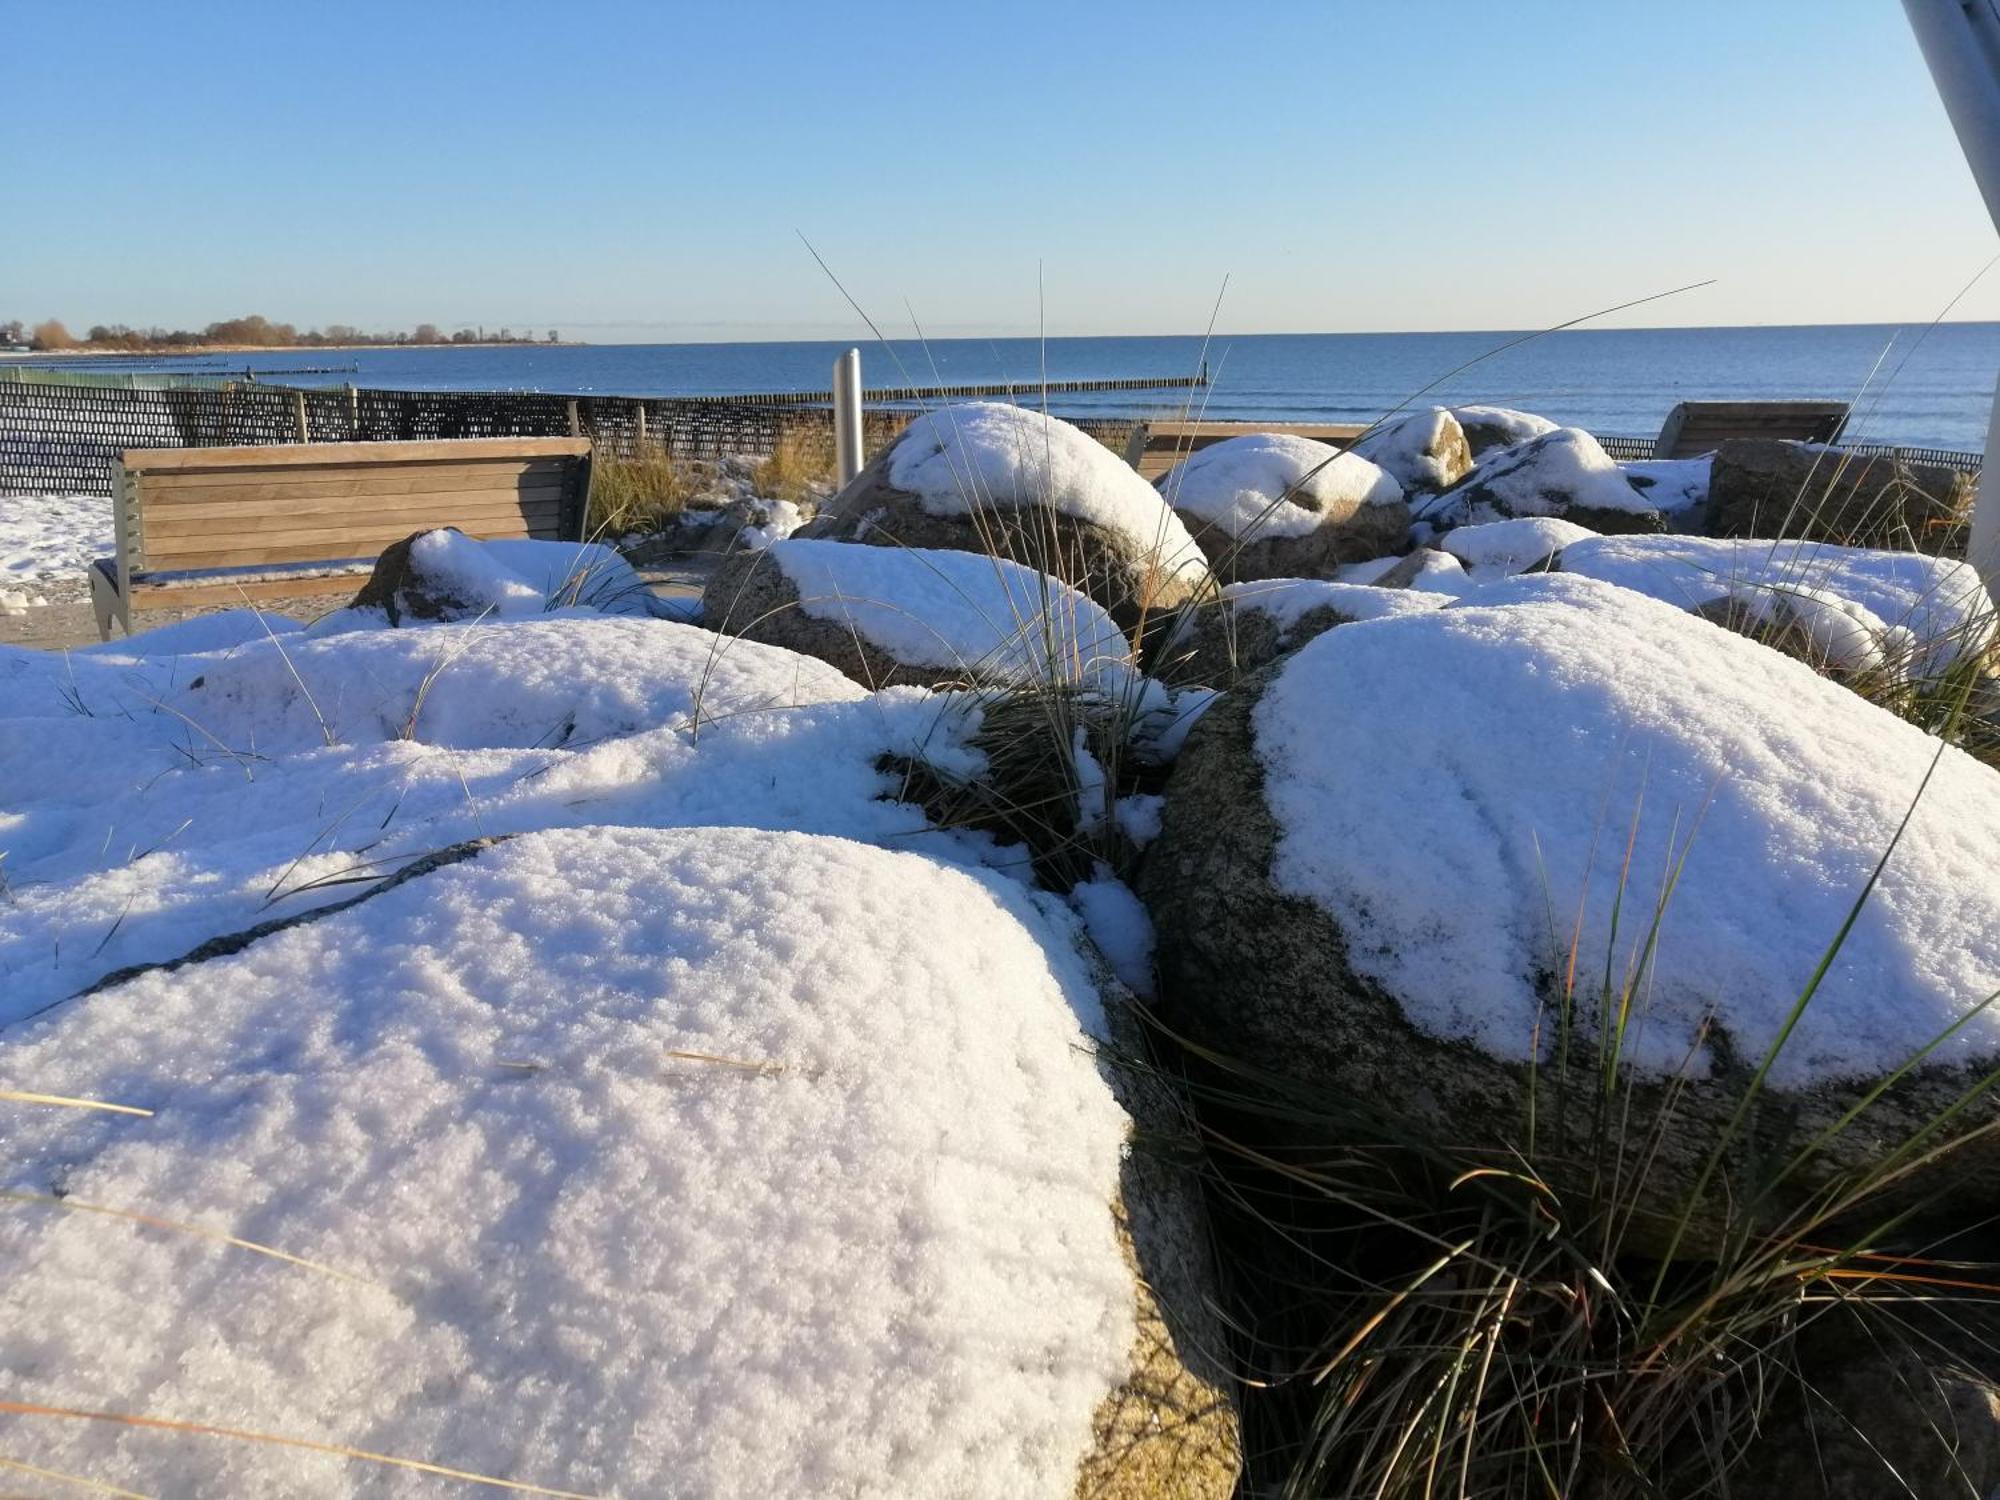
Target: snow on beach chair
222,525
1155,447
1697,427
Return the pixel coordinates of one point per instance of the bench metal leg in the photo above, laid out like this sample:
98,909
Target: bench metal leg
106,604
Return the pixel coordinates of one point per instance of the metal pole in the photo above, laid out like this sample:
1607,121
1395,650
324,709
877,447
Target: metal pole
1960,40
847,415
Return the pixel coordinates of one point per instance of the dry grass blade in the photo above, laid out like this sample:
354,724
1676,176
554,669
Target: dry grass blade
40,1200
746,1065
337,1450
96,1486
19,1096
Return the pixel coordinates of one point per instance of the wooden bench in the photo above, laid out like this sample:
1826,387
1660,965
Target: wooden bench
222,525
1156,447
1697,427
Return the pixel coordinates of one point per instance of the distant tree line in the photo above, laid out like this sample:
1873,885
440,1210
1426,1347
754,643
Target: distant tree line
51,334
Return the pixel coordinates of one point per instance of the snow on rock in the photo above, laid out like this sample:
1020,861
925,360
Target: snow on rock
783,517
1274,505
985,455
447,575
1675,487
1414,822
1004,481
1603,693
1118,925
886,615
1490,427
627,1162
153,803
1426,451
1498,549
202,633
1287,601
1938,601
1253,623
1561,473
52,536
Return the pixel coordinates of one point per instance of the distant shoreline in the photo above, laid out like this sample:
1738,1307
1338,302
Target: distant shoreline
198,350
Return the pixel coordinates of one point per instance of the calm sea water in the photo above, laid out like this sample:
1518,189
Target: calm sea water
1931,388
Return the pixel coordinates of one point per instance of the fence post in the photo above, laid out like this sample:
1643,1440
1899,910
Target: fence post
847,415
575,421
353,412
639,409
299,411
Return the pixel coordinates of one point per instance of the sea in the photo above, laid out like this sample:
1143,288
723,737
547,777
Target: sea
1922,385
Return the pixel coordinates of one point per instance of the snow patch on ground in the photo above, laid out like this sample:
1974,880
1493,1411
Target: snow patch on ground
629,1161
1256,486
51,537
1513,736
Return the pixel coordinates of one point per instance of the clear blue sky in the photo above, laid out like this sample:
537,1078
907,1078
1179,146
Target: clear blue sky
638,171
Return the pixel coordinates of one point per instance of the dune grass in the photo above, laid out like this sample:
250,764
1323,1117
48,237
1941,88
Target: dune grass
647,492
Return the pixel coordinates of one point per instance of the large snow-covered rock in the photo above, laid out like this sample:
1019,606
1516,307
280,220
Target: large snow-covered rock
700,1162
1362,850
1426,450
1561,473
1273,505
1490,427
447,575
1765,487
897,615
1928,611
1253,623
1003,480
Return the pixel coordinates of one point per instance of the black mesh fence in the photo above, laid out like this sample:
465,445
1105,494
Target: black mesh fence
63,438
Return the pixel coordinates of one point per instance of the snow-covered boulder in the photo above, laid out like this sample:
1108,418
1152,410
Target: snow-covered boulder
911,615
1273,505
1426,451
1003,480
1362,849
1490,427
1766,487
1676,487
1253,623
447,575
618,1161
1561,473
1929,611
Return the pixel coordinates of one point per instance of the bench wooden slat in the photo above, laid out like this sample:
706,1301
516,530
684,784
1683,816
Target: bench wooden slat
228,515
294,455
250,557
308,541
409,479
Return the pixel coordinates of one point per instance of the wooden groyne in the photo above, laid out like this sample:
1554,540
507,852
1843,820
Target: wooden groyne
892,394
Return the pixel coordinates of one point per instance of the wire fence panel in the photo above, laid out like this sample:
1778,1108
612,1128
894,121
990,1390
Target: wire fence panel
66,438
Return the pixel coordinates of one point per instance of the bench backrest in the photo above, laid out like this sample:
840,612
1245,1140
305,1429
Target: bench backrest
1156,447
1697,427
196,508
